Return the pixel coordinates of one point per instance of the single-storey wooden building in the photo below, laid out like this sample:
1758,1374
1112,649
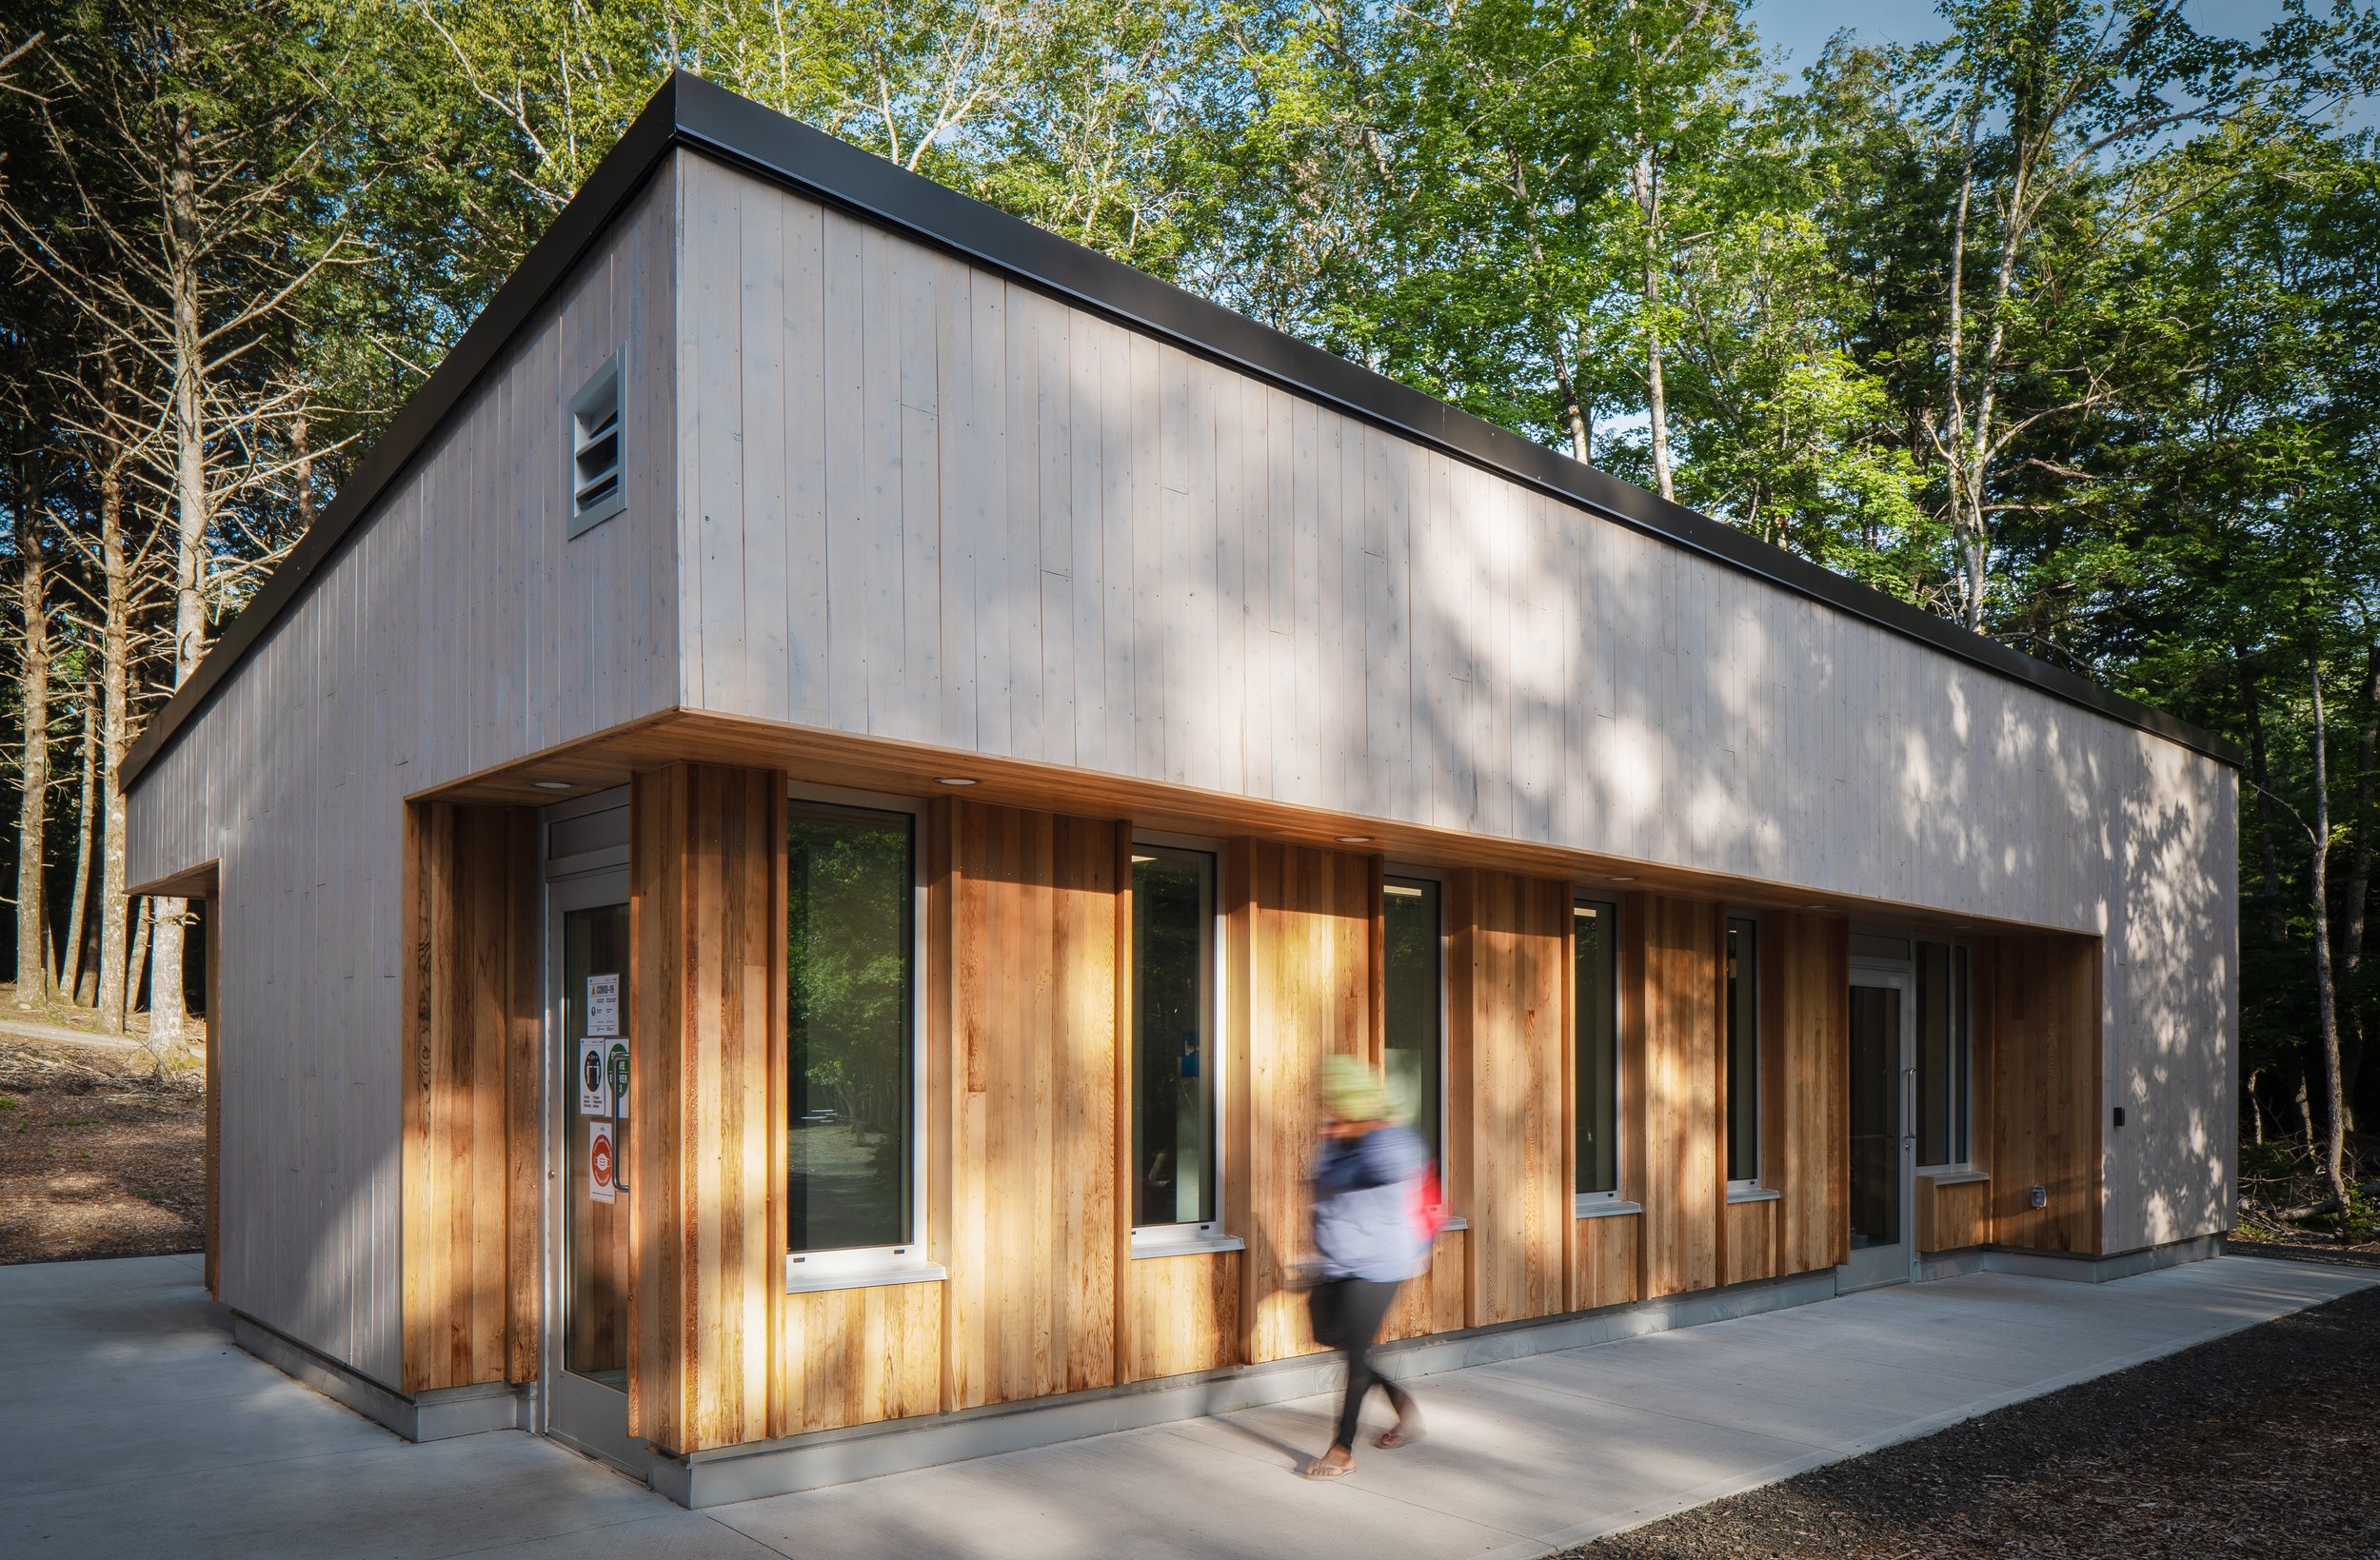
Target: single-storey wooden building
784,858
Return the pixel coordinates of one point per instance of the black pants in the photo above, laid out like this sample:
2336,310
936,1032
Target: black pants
1347,1314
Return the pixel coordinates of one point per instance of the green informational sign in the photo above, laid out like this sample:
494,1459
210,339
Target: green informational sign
616,1069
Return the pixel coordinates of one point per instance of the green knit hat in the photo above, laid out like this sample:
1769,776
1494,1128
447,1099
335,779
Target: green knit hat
1352,1092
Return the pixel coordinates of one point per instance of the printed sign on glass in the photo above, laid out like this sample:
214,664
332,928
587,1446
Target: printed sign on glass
602,1004
594,1089
599,1160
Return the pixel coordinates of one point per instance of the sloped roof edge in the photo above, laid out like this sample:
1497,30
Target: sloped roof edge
693,113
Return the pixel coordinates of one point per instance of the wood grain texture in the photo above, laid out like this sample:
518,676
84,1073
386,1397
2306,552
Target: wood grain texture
706,868
1604,1261
2043,1008
1033,1193
1509,962
1749,1251
472,1276
1307,928
1950,1219
1806,1028
216,1031
1438,1300
1182,1313
853,1357
1680,970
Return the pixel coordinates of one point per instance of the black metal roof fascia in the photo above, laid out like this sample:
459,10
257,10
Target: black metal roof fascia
575,229
696,113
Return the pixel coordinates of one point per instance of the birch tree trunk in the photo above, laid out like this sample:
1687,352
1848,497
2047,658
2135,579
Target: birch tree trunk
2326,992
32,585
116,687
71,971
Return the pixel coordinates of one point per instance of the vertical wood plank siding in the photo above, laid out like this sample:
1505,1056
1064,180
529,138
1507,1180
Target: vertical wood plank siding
1677,1111
706,867
472,1283
457,629
1510,958
2044,1013
1033,1193
1806,1007
1307,996
1951,1218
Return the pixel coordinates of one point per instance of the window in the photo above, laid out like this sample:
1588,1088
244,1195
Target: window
1743,1053
1173,1036
850,962
596,493
1942,1078
1595,956
1412,1007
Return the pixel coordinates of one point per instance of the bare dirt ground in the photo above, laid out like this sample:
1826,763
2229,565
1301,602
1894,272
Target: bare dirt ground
100,1154
2259,1445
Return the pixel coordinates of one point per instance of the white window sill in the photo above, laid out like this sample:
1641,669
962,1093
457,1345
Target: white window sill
1167,1242
1752,1194
1454,1222
1955,1175
801,1278
1593,1207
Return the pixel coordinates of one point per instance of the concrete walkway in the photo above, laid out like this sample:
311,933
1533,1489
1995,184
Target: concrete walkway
130,1425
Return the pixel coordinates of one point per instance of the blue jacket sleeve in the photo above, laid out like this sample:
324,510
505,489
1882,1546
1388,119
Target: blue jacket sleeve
1377,1158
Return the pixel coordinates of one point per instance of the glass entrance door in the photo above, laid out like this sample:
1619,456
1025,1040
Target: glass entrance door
1883,1150
591,1048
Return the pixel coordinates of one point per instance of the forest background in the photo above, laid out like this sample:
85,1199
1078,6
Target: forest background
2064,325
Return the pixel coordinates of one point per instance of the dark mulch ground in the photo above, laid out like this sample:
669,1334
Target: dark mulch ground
2264,1444
98,1155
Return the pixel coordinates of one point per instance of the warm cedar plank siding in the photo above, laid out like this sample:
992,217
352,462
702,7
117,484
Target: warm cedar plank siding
1301,920
1032,1196
1950,1217
474,1022
850,1356
1677,945
1509,968
215,1033
1440,1299
2041,995
1805,1011
1182,1313
1603,1267
706,870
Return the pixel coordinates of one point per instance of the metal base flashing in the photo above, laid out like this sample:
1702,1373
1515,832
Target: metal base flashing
431,1416
2067,1266
865,1452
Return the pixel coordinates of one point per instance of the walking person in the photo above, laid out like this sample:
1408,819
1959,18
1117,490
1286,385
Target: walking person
1370,1234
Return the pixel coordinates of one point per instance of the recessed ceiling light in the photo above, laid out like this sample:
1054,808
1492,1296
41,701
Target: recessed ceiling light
1618,879
553,785
954,780
1355,840
1813,907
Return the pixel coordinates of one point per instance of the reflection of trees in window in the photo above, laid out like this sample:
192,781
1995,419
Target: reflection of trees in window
848,953
1743,1052
1409,936
1172,1073
1595,1066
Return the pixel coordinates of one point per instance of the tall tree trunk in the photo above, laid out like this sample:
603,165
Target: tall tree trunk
2326,992
2276,930
190,483
1647,177
33,588
70,974
115,691
2355,1011
133,962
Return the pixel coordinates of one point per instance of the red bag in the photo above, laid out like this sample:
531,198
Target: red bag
1430,1212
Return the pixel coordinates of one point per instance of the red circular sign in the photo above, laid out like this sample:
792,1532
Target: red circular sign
602,1158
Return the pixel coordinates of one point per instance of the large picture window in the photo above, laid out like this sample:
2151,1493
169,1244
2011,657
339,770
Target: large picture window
1413,1007
850,956
1594,954
1173,1036
1743,1053
1943,1049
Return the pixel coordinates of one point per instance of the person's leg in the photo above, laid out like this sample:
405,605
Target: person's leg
1356,1309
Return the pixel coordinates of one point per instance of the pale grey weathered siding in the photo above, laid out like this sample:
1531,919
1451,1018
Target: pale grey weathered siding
926,504
457,630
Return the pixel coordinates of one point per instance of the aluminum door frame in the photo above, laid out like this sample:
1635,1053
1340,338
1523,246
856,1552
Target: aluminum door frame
1873,1266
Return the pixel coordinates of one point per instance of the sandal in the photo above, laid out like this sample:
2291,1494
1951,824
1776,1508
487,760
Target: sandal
1319,1469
